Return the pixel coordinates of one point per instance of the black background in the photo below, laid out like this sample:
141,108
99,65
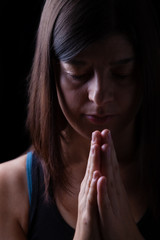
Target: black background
18,24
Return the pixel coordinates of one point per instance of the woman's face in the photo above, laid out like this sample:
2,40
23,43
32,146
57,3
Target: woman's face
99,88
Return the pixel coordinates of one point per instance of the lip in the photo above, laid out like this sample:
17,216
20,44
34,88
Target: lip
99,120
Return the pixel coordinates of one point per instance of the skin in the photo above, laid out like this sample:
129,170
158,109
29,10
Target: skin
107,193
103,203
14,201
104,82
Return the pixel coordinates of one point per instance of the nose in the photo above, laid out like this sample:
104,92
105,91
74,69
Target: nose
100,90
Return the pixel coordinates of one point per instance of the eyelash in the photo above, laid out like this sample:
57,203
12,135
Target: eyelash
86,76
76,77
83,77
122,77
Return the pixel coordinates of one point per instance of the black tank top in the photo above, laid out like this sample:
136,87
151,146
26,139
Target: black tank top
46,222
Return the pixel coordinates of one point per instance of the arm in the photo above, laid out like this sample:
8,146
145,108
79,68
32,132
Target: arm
13,200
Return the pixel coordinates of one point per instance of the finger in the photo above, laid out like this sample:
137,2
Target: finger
92,194
104,136
93,160
103,201
115,164
96,137
95,165
113,152
111,181
96,140
105,143
107,139
116,186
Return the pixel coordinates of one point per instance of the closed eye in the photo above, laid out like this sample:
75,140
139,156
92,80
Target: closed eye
120,76
82,77
77,77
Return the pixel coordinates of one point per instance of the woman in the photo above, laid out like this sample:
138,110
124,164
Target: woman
93,115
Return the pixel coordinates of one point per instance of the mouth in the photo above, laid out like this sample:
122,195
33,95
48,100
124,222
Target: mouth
99,120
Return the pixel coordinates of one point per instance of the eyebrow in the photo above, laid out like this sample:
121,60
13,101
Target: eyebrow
76,62
123,61
82,63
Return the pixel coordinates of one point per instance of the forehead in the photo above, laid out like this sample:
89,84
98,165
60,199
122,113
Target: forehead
111,49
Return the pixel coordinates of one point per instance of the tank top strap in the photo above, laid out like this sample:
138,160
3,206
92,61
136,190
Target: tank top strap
29,174
45,220
35,183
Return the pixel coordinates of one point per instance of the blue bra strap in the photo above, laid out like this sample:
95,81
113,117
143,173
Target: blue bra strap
29,174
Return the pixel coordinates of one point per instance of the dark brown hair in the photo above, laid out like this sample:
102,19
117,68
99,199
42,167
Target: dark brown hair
66,28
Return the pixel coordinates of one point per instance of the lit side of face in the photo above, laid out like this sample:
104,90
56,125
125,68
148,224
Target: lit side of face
99,89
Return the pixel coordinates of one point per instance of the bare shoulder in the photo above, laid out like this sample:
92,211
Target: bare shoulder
13,172
14,203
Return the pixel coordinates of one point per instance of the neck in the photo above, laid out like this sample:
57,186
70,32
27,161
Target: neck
125,144
76,151
75,147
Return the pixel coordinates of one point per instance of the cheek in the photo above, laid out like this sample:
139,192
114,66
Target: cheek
131,101
71,98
